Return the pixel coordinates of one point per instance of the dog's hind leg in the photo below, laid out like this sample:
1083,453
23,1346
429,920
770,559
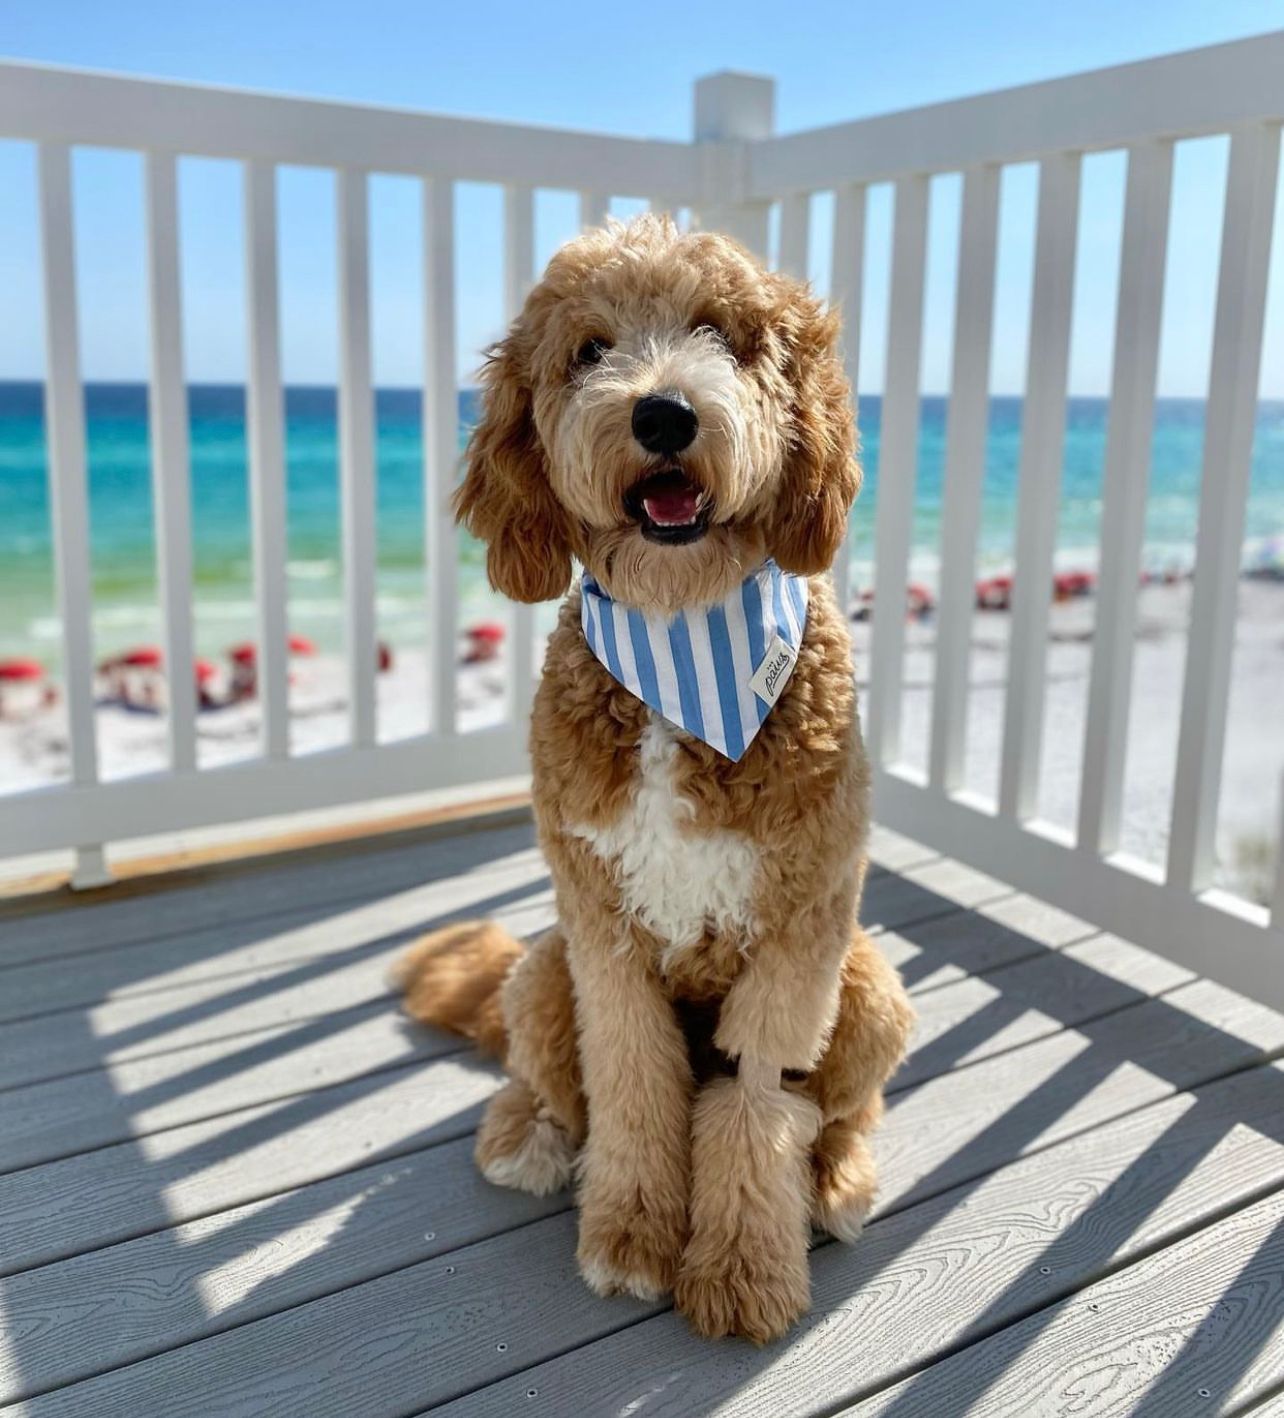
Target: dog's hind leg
868,1042
534,1126
846,1179
515,1002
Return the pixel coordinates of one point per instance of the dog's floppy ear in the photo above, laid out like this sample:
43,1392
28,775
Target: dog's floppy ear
821,476
505,499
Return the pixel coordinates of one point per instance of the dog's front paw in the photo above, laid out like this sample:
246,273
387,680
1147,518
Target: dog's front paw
749,1293
635,1253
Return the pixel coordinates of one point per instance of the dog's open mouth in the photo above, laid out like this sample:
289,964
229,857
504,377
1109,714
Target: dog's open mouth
669,507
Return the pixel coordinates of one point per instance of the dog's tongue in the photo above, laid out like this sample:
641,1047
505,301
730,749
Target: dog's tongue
671,502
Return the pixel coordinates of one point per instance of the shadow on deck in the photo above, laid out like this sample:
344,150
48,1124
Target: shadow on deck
234,1180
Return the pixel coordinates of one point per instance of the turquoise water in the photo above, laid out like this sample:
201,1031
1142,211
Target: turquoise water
123,552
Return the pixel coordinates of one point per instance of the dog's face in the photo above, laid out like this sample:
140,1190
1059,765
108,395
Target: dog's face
668,412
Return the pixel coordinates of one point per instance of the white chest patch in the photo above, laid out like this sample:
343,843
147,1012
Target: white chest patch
674,879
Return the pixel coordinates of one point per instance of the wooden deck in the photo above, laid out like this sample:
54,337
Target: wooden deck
234,1181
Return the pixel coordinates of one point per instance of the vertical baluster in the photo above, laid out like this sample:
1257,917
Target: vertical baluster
897,467
1039,487
171,472
519,247
795,229
594,207
733,110
964,472
671,206
1277,897
1123,507
266,437
356,448
519,275
441,444
846,285
1228,448
68,479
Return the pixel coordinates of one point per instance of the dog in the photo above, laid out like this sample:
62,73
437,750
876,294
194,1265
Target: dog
703,1040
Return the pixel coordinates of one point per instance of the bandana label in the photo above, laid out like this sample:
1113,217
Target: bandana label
773,674
716,673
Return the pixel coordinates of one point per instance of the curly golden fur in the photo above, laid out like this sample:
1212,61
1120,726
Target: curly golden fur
714,1089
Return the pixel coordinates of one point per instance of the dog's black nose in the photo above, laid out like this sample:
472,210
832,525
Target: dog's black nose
664,423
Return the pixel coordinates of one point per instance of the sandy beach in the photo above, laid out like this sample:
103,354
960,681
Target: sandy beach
33,751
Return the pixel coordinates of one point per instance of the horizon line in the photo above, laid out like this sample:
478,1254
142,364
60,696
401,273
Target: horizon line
144,383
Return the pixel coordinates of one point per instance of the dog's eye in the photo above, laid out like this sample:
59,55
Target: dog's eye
707,327
591,351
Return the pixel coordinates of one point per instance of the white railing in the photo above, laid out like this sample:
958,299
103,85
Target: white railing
730,177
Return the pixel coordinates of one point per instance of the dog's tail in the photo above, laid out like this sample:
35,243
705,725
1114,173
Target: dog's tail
452,977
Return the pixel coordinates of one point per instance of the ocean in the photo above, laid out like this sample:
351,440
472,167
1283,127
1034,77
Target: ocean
123,550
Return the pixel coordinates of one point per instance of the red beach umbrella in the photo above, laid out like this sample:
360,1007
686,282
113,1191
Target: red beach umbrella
484,640
16,671
994,594
21,672
142,657
301,645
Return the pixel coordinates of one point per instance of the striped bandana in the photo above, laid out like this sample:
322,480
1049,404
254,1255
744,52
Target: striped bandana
715,673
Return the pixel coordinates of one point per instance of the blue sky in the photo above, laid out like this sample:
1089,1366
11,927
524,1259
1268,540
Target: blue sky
617,68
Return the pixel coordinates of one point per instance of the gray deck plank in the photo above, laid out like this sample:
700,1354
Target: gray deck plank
1165,1043
177,960
342,1021
240,893
975,1018
985,937
924,1280
921,892
368,869
103,1197
1196,1329
1074,1081
184,953
108,1292
47,1121
895,852
411,1339
135,1025
173,961
117,1305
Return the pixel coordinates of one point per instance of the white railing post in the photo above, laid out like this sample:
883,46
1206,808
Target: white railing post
967,425
1126,479
1277,895
1228,450
594,209
171,473
441,448
846,288
265,419
69,481
897,468
356,454
732,111
1039,486
667,206
795,234
519,276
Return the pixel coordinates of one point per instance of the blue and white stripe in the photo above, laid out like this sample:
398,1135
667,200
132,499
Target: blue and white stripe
695,669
